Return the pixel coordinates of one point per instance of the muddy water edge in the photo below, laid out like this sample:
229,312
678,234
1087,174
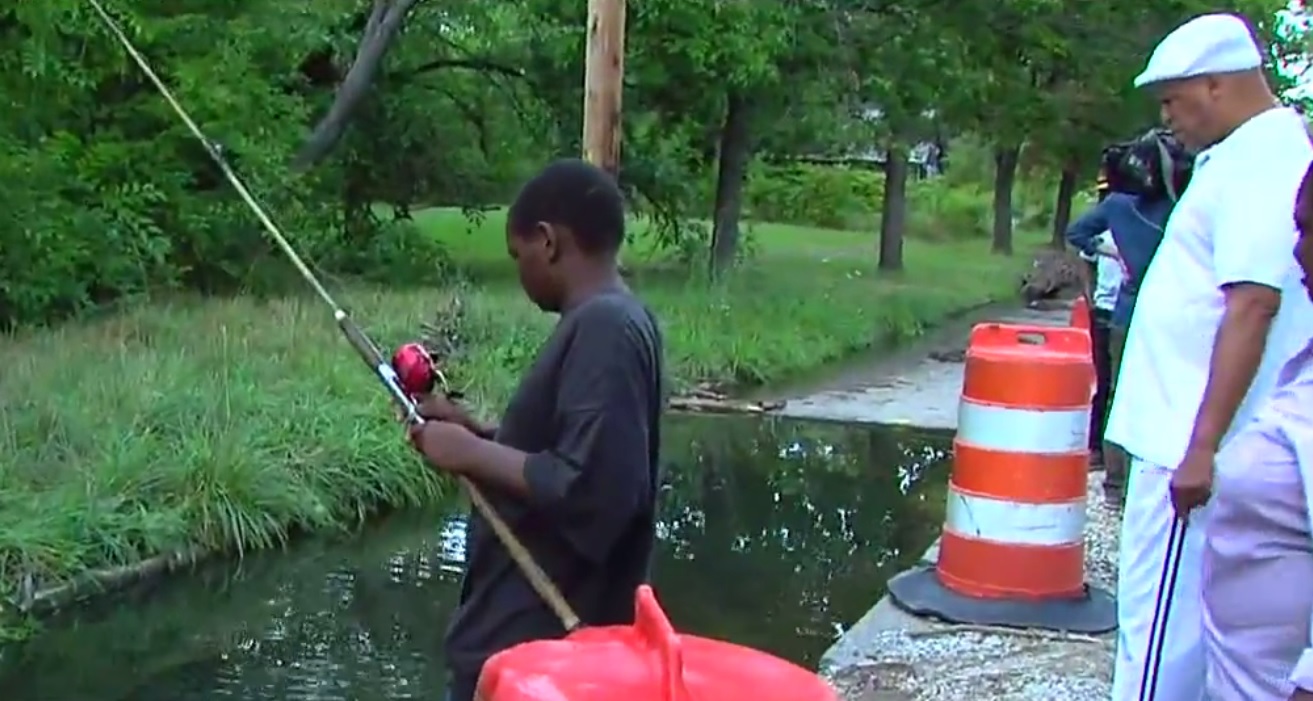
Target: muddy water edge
774,534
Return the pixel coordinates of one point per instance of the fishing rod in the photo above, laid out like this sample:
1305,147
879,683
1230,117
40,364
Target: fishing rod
419,374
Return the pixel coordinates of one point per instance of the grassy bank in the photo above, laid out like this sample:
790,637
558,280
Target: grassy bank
228,423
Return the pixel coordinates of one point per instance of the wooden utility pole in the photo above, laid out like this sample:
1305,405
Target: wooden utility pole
604,70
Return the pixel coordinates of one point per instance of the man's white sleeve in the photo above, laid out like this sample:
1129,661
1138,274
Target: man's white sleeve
1253,231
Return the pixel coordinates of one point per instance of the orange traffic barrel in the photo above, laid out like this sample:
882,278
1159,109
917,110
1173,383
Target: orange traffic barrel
1080,315
646,661
1013,547
1080,319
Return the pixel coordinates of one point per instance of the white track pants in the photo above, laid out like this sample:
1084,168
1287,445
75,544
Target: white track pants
1146,528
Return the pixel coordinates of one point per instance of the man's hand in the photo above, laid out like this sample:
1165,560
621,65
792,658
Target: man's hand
1192,483
1302,695
445,445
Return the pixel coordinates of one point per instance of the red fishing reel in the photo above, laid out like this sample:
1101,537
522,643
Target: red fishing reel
418,372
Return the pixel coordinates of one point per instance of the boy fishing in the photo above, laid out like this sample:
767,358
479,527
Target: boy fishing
573,464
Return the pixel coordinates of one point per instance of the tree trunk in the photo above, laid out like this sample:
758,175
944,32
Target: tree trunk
384,20
1062,207
732,170
1005,175
893,211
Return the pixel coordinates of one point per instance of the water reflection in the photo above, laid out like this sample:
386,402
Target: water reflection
773,534
776,535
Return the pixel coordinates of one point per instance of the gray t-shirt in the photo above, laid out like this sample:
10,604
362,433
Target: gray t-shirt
588,413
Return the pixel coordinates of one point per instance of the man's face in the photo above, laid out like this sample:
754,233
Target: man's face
1191,109
1304,244
534,252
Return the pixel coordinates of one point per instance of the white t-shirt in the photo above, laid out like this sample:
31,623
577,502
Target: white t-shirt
1233,224
1108,280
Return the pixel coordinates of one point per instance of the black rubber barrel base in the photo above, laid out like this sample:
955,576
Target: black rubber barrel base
920,593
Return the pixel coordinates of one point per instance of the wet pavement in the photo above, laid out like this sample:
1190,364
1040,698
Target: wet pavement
919,387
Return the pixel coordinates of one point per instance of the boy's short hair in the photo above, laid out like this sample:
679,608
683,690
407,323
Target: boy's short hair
575,194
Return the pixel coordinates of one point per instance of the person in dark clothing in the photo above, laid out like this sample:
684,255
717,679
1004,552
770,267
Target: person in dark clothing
1103,280
1135,213
573,465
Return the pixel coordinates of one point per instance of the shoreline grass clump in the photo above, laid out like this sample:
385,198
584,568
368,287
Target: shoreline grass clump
230,424
224,425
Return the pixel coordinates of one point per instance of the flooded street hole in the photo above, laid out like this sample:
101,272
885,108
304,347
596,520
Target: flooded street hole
774,534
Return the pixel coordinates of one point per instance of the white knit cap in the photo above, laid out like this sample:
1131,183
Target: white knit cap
1206,45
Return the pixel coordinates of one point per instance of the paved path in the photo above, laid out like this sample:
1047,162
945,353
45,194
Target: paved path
919,390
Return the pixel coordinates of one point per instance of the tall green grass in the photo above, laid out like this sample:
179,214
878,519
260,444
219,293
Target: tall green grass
220,424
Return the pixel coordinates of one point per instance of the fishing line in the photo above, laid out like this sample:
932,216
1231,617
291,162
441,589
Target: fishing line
356,336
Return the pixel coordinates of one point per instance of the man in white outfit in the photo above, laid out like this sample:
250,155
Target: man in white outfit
1219,311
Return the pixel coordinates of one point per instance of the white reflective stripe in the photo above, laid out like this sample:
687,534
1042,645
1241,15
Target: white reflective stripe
1013,523
1023,430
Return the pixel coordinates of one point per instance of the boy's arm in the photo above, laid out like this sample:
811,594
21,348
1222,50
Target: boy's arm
1083,232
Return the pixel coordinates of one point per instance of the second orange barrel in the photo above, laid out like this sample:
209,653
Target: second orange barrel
1012,551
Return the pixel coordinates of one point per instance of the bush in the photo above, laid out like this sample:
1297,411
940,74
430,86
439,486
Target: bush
225,425
1033,204
829,197
397,252
107,194
940,210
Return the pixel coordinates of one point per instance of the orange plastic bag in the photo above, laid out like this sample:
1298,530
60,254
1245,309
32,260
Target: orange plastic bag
647,661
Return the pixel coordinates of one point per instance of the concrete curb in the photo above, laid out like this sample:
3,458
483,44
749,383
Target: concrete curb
854,645
886,639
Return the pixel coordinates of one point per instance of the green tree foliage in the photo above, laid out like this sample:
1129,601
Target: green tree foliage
102,179
340,112
108,195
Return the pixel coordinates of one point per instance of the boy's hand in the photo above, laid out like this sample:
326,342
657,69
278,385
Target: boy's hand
447,446
438,407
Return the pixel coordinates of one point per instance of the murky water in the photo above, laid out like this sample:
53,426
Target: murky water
774,534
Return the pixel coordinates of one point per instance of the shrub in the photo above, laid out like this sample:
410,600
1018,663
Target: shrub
940,210
397,251
955,206
829,197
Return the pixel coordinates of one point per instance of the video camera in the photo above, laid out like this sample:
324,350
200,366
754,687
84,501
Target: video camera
1153,166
